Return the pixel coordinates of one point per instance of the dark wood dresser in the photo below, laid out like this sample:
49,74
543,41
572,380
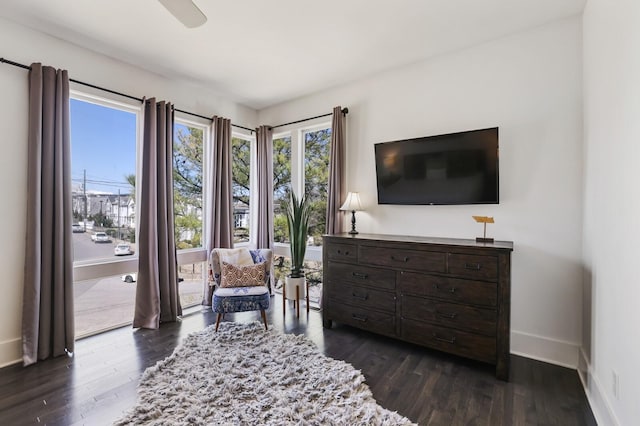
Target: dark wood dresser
448,294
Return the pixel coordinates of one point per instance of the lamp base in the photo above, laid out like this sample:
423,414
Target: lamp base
353,223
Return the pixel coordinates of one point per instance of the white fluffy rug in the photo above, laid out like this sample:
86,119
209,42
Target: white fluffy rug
245,375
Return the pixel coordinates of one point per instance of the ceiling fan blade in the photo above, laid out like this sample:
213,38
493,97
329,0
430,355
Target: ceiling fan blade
185,11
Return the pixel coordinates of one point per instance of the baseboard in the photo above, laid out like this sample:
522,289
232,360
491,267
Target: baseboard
552,351
10,352
593,389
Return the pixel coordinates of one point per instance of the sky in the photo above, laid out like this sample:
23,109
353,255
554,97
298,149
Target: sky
103,142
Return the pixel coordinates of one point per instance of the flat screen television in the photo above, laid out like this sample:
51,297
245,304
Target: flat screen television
456,168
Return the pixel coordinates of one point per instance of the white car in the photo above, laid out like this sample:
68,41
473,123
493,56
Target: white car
129,278
122,249
100,237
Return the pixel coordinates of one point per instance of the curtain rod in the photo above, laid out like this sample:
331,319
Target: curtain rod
16,64
344,111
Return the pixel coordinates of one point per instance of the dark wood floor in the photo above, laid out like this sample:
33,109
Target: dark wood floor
430,388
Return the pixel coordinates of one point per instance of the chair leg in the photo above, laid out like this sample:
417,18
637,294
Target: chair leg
218,321
298,301
284,300
307,282
264,319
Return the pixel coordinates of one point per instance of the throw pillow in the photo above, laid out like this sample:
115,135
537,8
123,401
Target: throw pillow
242,276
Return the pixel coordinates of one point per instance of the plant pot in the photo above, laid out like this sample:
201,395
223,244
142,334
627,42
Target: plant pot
290,287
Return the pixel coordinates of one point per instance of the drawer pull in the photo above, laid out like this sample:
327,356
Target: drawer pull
442,339
346,253
359,318
451,290
397,259
472,266
445,315
359,275
356,296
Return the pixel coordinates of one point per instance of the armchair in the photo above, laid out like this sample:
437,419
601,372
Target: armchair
242,279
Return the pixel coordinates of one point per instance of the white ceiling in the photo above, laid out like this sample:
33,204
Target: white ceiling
260,53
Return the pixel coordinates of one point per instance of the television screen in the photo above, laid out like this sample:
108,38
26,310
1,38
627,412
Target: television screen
456,168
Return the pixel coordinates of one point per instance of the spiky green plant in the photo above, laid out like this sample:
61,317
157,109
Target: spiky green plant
298,213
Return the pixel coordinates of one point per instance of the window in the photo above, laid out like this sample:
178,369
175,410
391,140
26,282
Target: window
241,174
301,163
104,143
189,140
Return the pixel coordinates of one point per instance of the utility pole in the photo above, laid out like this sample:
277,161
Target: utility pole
84,190
119,214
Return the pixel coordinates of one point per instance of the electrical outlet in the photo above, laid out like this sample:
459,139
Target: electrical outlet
616,384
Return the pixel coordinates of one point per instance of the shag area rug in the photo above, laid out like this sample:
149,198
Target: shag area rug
245,375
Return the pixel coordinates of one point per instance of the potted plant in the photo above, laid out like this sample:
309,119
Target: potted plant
298,213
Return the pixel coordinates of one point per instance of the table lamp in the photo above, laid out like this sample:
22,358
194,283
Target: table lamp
352,204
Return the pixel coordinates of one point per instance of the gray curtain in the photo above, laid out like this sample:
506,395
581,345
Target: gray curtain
336,192
157,298
47,311
221,198
264,227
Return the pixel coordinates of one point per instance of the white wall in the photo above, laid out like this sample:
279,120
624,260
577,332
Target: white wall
26,46
530,85
612,207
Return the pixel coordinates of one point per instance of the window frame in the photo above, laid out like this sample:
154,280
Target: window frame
297,134
198,254
188,253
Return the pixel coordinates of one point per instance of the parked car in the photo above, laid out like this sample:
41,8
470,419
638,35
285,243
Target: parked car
76,227
129,278
100,237
133,277
122,249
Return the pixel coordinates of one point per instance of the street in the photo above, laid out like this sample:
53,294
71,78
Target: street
85,249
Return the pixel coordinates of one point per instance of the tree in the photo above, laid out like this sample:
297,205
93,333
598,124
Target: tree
240,169
187,186
280,234
101,219
131,180
316,178
281,186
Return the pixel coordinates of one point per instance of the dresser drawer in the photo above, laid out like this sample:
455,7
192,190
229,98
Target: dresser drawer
378,322
405,259
475,346
473,266
461,317
448,289
342,252
362,275
362,296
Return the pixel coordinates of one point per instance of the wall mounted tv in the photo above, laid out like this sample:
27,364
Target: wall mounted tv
456,168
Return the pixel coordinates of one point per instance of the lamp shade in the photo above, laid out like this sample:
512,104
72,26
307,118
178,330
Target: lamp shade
352,203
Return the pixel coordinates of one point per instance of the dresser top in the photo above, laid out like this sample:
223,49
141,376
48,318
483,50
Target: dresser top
504,245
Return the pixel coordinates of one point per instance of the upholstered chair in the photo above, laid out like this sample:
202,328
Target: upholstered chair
242,279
